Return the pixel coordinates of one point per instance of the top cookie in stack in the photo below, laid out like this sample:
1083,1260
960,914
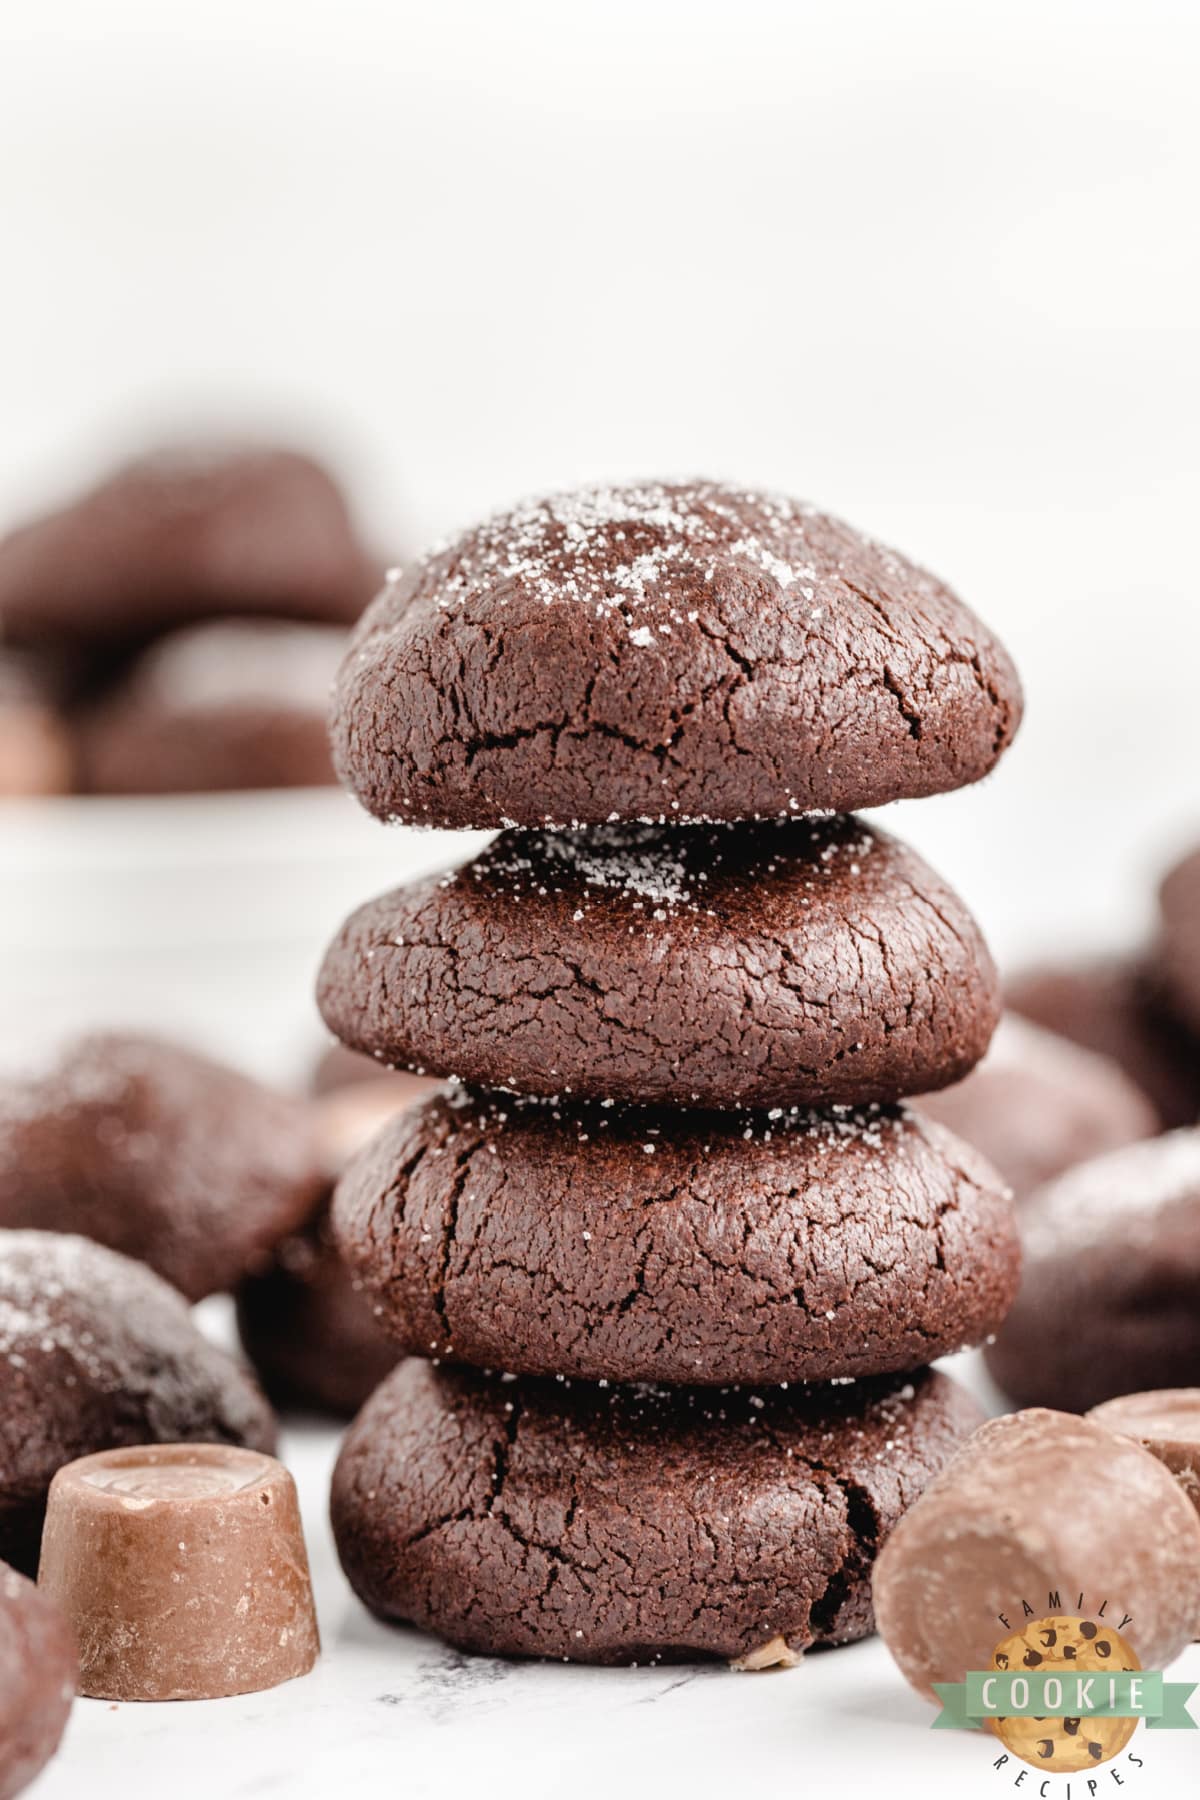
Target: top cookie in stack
671,960
665,652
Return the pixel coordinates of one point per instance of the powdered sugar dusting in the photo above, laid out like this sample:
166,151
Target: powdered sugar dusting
51,1284
617,549
663,871
825,1130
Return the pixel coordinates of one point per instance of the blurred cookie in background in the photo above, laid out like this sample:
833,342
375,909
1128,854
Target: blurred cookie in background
233,704
1037,1104
173,1159
1109,1301
183,534
1115,1005
35,745
305,1321
309,1330
1178,947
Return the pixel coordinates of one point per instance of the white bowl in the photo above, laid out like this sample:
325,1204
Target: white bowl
201,916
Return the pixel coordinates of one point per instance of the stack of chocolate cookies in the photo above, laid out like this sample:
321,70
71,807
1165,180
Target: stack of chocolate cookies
673,1257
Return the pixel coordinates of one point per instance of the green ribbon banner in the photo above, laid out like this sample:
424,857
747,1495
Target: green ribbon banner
1062,1693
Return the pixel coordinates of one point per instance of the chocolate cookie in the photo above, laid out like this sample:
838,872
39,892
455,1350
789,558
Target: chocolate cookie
1115,1006
1178,954
804,962
238,703
681,651
306,1324
186,533
1110,1290
38,1669
309,1329
97,1351
628,1245
1038,1104
187,1165
527,1518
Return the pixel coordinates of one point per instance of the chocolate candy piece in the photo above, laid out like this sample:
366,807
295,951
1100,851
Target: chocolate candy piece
1109,1300
805,962
349,1117
38,1672
183,534
1037,1104
617,1524
1167,1422
185,1164
1038,1504
35,750
96,1351
1115,1006
338,1068
665,650
183,1570
239,703
617,1243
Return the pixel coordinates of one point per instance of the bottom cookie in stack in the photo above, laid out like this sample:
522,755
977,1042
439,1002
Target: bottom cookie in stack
524,1517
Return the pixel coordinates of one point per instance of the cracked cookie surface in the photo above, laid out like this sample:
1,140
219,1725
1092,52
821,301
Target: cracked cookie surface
528,1518
685,650
633,1245
798,962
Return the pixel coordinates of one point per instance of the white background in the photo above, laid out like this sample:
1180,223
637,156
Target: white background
934,265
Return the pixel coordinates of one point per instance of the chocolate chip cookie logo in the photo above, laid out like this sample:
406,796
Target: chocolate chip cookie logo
1064,1694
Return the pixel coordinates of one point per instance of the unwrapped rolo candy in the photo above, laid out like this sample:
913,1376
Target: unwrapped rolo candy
183,1571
